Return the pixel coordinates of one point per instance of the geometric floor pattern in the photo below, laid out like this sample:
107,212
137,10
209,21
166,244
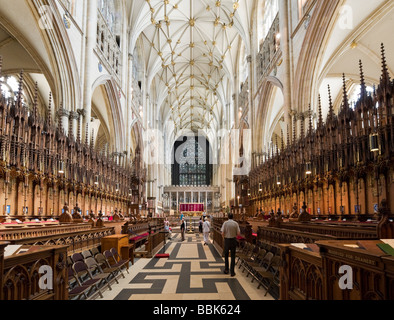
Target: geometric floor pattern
193,272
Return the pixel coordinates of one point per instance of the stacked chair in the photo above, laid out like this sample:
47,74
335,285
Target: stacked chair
262,262
90,272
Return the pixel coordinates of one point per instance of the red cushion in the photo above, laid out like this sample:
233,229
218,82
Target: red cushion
159,256
240,238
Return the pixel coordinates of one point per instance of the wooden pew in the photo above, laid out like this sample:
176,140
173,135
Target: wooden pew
78,237
148,233
19,273
314,275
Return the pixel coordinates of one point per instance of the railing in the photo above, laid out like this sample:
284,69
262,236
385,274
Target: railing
76,237
269,51
292,232
20,274
108,48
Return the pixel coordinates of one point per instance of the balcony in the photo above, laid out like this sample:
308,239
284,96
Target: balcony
108,48
270,51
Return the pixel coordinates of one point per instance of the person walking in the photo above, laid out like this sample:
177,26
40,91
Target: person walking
183,229
200,226
230,231
206,231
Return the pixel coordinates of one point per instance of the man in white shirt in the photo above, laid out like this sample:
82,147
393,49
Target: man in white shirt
230,231
206,230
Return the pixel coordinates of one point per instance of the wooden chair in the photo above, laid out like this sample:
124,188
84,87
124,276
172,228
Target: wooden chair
264,265
104,265
98,273
271,274
114,262
92,283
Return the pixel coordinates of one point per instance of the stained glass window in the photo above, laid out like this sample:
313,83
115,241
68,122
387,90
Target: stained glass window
193,167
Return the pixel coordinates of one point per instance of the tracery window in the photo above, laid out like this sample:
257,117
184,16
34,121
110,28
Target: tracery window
270,11
110,13
192,169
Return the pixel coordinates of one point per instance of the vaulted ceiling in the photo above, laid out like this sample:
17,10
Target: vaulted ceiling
191,49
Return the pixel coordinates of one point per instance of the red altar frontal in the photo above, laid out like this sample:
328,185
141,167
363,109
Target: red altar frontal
193,207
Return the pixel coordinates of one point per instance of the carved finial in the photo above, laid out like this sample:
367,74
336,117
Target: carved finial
79,131
282,141
385,73
320,113
87,135
331,110
20,89
310,120
288,136
50,110
70,126
302,127
345,96
363,92
92,140
35,104
61,119
294,130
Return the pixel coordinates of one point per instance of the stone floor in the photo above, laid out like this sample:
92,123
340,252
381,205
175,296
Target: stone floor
193,272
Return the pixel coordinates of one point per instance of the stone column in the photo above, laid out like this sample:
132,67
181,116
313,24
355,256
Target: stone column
91,39
285,45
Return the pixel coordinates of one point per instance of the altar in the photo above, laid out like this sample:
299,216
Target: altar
191,210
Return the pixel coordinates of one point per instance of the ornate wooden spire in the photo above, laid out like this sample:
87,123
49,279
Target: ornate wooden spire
61,129
50,110
331,109
288,136
92,140
310,120
35,104
87,135
79,130
385,80
345,104
363,92
320,113
294,130
20,89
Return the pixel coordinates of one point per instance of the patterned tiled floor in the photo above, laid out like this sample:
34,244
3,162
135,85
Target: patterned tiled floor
193,272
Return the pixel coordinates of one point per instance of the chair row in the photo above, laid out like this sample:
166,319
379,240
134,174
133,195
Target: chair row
90,271
262,263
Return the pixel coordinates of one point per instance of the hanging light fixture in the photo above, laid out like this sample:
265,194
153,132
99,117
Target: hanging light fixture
308,169
374,142
260,187
97,180
61,167
278,181
117,187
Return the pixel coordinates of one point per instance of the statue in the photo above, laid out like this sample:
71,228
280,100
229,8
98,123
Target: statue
304,216
116,216
100,222
77,215
66,216
279,218
272,220
294,214
91,220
